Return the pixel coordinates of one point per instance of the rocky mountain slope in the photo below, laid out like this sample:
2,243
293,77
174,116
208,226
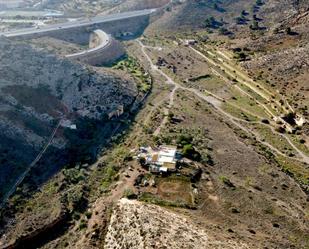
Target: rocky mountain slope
37,91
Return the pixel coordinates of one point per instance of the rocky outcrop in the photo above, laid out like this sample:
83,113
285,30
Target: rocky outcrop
137,225
36,91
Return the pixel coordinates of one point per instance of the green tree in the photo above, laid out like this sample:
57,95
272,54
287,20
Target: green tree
241,56
288,30
254,25
142,161
210,22
259,2
224,31
189,151
184,139
240,20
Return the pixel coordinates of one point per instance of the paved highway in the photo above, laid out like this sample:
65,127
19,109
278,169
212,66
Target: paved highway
105,41
78,23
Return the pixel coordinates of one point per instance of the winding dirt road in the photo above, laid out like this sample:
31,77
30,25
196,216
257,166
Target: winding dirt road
215,101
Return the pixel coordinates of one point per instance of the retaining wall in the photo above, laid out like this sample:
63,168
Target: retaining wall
103,49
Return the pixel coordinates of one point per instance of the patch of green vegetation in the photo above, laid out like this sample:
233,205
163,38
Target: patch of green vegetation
116,159
46,199
133,67
307,214
247,103
109,176
227,182
249,181
269,210
295,169
175,178
201,77
264,169
150,198
252,93
212,84
129,194
190,152
73,175
299,143
82,225
274,139
184,141
189,131
156,41
240,55
238,113
212,23
75,198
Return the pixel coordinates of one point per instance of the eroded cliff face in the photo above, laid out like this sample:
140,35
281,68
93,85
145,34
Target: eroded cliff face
39,90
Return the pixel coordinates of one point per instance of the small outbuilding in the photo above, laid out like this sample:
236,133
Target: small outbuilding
190,42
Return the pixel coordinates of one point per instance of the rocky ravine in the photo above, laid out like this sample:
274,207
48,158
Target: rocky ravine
36,91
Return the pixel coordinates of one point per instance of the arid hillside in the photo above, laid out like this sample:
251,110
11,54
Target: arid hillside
272,36
96,7
141,4
136,225
217,155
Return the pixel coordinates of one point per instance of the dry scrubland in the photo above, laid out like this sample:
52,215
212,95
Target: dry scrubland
220,98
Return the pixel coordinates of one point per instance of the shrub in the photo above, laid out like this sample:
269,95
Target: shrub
190,152
280,129
76,216
82,224
211,22
184,139
128,193
227,182
88,214
142,161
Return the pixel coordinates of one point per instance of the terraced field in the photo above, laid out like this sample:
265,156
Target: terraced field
249,104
